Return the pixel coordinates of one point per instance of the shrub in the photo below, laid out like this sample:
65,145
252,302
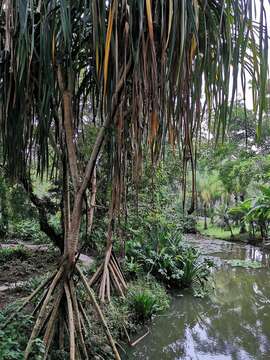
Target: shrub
188,224
146,298
175,265
194,271
132,268
28,230
144,304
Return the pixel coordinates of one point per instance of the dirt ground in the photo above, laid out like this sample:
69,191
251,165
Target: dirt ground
16,272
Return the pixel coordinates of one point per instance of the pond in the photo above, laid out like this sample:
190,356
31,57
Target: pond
233,323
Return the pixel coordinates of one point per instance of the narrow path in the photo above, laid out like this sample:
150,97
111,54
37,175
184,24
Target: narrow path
86,260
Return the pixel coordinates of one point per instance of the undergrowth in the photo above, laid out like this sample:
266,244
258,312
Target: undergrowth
13,253
15,336
145,298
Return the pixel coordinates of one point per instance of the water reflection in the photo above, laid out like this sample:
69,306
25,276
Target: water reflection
233,324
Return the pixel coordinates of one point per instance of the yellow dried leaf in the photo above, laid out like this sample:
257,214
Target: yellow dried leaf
193,48
150,19
108,44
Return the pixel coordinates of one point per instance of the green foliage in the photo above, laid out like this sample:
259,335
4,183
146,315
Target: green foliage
209,187
132,268
260,208
87,140
155,239
144,304
13,253
254,211
194,271
241,210
245,264
13,338
28,230
243,169
217,231
174,264
188,224
236,174
146,298
19,205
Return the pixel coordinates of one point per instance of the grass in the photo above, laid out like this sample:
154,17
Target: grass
216,231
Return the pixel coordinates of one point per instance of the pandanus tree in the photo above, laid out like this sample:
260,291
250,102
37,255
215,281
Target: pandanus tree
144,73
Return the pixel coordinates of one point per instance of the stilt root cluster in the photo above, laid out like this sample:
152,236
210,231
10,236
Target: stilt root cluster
60,312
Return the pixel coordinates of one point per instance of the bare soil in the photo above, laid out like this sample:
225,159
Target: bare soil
14,273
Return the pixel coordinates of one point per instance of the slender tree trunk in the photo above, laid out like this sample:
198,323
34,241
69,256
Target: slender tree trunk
4,206
205,216
66,203
253,229
262,232
109,274
236,203
193,177
227,222
92,203
243,229
265,231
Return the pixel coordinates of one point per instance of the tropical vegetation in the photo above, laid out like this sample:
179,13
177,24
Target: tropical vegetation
120,128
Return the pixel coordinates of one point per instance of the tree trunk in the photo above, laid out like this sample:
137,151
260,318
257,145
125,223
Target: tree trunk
205,216
109,273
227,222
262,231
265,231
243,229
92,203
4,207
236,203
60,303
60,314
251,231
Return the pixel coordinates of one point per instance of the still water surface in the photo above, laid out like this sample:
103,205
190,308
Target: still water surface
234,323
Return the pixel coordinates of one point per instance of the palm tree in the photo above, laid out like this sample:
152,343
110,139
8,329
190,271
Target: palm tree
139,68
209,189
